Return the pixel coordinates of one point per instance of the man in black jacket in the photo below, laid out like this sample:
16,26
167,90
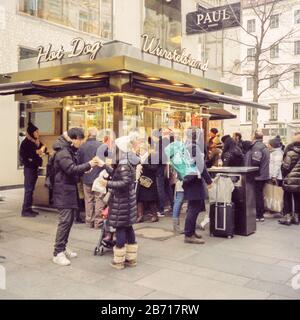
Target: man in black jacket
65,193
93,200
31,150
259,156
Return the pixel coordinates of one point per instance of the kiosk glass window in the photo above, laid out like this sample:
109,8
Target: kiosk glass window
92,16
89,111
162,19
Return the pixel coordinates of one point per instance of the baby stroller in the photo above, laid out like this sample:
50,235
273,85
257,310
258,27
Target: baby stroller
106,240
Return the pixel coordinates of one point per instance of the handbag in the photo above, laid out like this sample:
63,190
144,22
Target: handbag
145,182
273,198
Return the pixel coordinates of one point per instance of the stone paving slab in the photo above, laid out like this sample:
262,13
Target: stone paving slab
193,287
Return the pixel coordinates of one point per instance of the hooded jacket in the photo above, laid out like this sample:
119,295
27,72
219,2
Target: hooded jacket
67,173
291,168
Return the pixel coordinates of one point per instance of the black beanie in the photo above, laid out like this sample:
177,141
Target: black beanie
31,129
275,143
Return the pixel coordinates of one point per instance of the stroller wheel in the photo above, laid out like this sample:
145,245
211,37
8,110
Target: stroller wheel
101,251
96,251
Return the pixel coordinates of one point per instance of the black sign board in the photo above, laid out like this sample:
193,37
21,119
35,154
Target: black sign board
205,20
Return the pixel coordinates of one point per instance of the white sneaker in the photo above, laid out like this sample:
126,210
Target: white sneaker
70,254
61,260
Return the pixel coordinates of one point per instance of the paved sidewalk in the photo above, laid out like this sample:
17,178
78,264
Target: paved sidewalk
254,267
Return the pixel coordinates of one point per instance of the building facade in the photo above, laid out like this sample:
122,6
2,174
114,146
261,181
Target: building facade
27,24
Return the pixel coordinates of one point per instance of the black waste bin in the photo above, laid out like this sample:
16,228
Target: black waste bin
243,196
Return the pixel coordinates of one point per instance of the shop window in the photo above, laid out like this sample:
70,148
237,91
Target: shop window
296,111
274,80
92,16
162,19
297,79
26,53
274,51
274,21
248,114
249,83
250,54
297,47
297,16
274,112
251,25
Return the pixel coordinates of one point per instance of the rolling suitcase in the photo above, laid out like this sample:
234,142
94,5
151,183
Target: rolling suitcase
222,219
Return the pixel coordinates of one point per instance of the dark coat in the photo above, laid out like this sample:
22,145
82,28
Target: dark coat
291,168
85,154
232,155
195,190
122,204
67,173
148,194
259,156
28,155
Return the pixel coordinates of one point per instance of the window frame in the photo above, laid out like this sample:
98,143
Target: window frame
273,106
249,114
273,83
296,105
277,21
297,83
297,11
297,47
252,23
274,51
250,57
248,81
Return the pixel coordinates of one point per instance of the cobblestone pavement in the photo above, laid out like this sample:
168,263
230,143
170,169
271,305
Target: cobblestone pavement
255,267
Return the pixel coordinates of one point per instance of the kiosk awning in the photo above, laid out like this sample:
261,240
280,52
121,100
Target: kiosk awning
203,96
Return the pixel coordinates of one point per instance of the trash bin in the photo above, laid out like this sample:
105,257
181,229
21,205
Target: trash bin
243,196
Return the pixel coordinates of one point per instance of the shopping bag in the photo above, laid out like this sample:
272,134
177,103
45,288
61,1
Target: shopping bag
273,198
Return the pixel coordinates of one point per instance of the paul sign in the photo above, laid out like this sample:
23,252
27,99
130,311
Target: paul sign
79,48
205,20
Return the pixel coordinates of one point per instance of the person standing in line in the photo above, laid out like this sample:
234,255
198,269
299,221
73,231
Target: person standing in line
93,200
65,192
276,158
232,155
194,190
123,205
237,137
291,182
259,156
31,150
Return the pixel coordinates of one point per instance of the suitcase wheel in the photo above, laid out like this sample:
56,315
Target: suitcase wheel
212,235
229,237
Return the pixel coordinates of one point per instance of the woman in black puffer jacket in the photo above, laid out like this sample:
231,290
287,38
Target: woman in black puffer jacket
122,205
232,155
291,182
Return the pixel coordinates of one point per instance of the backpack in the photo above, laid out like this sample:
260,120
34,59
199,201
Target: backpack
50,172
181,160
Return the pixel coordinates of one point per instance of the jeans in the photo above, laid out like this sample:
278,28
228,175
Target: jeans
179,198
66,218
260,206
194,208
124,235
30,179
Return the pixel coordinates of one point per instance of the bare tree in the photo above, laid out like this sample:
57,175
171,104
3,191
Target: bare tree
258,65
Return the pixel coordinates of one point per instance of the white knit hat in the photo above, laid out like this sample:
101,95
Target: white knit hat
123,143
